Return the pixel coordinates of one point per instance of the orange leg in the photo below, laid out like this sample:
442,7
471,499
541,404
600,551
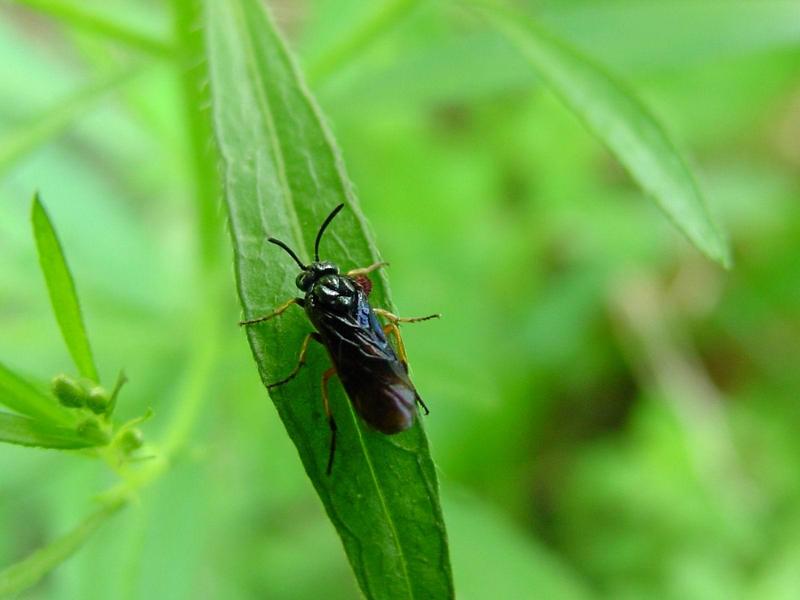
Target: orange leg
395,319
392,328
278,311
367,270
301,360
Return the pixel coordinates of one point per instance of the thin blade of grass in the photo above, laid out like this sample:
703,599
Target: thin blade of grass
25,431
385,16
22,396
28,136
85,20
283,174
621,121
63,296
29,571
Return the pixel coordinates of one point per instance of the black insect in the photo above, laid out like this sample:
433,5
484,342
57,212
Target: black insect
372,372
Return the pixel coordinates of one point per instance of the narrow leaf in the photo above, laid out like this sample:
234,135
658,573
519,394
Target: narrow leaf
25,431
283,174
30,570
623,123
79,17
675,33
63,296
24,397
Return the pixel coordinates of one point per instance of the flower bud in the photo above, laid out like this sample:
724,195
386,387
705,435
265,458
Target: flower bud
131,440
92,430
68,391
97,400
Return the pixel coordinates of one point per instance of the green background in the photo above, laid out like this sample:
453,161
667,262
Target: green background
612,415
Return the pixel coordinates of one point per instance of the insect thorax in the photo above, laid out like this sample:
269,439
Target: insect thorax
332,292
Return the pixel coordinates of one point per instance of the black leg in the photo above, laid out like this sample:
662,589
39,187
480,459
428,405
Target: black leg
331,423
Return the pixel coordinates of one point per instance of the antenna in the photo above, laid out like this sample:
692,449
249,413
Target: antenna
289,251
322,230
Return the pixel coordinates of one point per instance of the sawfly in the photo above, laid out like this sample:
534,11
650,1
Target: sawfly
374,374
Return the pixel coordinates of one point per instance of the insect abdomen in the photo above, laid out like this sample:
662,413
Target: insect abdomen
386,402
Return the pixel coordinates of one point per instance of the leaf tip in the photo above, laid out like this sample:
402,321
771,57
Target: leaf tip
717,249
36,204
726,260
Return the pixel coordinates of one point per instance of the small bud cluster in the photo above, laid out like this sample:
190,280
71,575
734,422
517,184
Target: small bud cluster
81,393
97,405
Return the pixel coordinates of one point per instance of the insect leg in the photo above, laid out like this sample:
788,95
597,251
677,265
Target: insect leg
278,311
300,361
395,319
392,328
331,423
367,270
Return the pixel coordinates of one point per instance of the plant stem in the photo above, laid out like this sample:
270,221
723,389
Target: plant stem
27,572
361,38
199,131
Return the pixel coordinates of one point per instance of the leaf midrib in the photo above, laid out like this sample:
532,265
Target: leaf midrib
263,102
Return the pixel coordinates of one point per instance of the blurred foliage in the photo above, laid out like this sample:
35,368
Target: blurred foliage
612,415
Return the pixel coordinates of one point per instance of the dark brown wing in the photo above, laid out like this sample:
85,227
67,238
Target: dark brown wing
371,373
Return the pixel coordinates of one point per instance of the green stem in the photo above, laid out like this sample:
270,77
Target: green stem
206,327
189,401
29,135
199,373
360,39
30,570
199,130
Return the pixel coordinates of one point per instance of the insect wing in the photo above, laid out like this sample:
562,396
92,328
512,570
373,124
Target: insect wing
372,375
382,394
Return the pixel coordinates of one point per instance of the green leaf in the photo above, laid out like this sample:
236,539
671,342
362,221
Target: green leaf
63,296
25,431
658,36
675,34
432,75
283,175
24,397
30,570
618,118
31,134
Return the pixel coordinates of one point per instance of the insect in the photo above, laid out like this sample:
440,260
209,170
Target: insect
373,373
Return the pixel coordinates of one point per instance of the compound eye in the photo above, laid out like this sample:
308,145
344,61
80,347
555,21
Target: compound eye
303,280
